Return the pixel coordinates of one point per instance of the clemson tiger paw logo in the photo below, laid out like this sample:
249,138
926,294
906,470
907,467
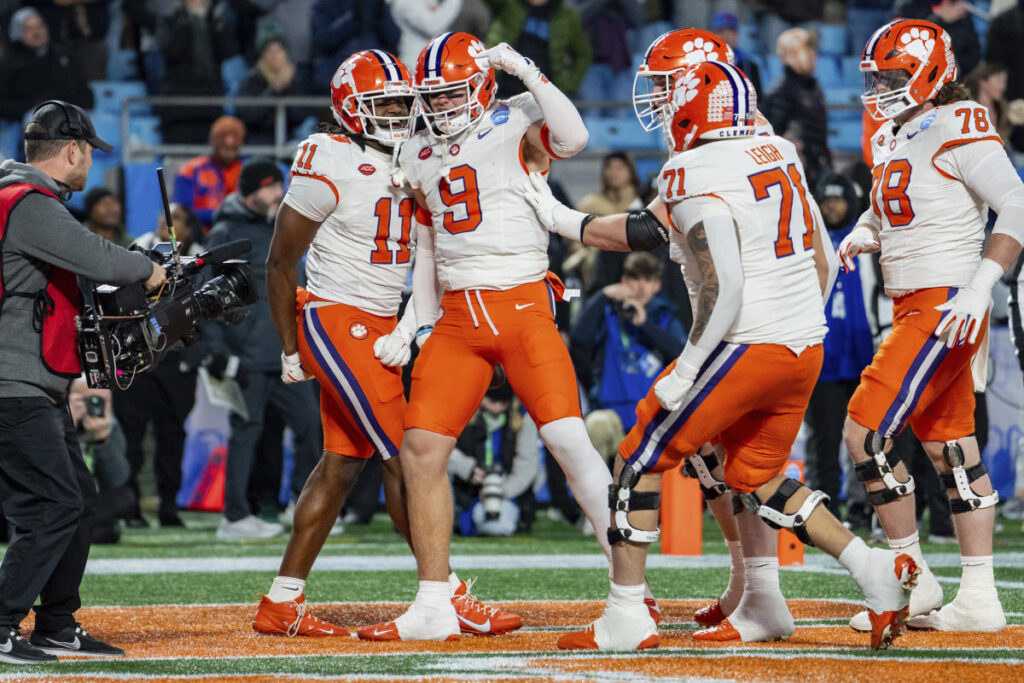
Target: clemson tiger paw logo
687,89
699,50
358,331
918,42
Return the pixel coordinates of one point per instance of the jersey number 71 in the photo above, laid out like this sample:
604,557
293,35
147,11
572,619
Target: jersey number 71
787,179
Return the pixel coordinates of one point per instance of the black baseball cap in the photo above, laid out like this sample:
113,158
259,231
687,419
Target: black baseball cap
65,121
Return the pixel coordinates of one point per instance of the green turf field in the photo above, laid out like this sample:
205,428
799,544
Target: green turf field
555,563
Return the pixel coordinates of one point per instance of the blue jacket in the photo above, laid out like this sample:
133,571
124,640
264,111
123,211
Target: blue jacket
849,345
617,361
342,27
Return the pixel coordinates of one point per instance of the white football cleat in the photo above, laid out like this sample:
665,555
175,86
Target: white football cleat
886,582
927,596
971,610
616,629
416,624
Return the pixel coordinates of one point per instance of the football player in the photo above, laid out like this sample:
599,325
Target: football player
491,261
939,166
669,55
348,207
743,228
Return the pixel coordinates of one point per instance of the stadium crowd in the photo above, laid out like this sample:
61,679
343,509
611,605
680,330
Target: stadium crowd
634,313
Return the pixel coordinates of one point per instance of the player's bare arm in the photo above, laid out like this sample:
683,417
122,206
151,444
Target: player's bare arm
293,233
826,262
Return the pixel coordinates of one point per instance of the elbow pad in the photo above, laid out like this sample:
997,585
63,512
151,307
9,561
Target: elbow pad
644,231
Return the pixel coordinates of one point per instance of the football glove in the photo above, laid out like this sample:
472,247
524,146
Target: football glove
292,370
860,241
392,349
968,306
553,215
503,56
671,389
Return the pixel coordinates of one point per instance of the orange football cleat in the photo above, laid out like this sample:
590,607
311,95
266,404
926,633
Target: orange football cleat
476,618
722,633
292,618
711,615
654,609
386,631
584,640
888,625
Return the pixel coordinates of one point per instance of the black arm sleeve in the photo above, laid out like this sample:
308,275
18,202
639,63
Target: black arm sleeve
644,231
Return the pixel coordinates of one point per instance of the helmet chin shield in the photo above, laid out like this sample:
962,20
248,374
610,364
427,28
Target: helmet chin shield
887,92
452,121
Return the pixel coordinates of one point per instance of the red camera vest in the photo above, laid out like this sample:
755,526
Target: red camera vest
56,306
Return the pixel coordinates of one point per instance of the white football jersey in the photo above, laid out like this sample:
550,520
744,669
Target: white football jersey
761,180
362,252
486,235
931,225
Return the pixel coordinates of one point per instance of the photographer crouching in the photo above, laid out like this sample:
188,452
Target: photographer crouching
48,492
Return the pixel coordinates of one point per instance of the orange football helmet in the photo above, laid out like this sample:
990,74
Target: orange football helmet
708,101
448,65
905,63
359,83
668,54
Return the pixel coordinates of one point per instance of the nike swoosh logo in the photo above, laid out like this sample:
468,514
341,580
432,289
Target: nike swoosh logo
520,307
73,645
480,136
8,646
386,631
328,631
483,628
910,135
289,589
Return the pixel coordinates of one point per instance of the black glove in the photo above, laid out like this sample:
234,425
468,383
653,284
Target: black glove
216,364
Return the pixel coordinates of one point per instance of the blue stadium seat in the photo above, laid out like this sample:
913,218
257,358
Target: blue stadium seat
122,65
145,130
109,95
844,131
142,197
747,40
11,140
827,72
620,133
850,67
771,72
842,95
108,127
833,39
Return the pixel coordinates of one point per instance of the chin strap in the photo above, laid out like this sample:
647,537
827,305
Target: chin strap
622,499
961,479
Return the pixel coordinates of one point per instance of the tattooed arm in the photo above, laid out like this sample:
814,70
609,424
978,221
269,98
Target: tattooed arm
712,240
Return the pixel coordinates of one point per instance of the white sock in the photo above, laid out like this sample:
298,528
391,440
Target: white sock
585,470
453,584
976,573
628,599
285,589
734,591
648,593
762,613
433,595
911,545
855,555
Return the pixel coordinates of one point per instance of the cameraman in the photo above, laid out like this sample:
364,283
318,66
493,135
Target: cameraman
495,461
624,336
48,492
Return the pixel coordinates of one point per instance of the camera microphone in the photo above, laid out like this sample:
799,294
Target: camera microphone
219,254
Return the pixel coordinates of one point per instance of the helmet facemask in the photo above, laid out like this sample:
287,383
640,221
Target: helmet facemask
650,95
388,130
457,119
887,92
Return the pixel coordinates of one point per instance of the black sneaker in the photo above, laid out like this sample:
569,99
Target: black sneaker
16,650
73,640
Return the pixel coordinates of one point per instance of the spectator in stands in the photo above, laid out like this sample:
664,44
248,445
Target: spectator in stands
187,231
80,27
495,461
863,18
341,27
610,76
774,17
849,344
987,83
273,76
797,101
194,40
624,337
419,21
1005,36
290,20
204,181
726,25
953,16
249,214
548,32
104,215
36,69
104,449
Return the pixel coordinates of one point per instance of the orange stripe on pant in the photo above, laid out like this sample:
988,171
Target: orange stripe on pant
914,379
362,402
751,397
478,330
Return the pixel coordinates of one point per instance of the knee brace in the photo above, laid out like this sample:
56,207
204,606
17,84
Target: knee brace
772,511
699,467
622,499
881,466
961,479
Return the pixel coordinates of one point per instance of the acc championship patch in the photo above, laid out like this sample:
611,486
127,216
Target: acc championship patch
358,331
426,152
500,115
367,169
